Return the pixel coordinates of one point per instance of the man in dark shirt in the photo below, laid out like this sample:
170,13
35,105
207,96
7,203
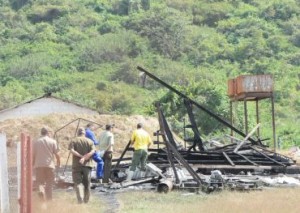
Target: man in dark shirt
82,149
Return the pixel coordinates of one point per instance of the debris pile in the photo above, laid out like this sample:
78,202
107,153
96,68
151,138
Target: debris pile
242,164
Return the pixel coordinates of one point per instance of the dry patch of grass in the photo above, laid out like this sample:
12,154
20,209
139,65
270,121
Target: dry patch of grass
124,125
269,200
66,202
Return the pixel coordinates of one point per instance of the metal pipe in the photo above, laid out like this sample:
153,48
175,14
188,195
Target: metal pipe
257,117
273,121
165,186
231,120
246,115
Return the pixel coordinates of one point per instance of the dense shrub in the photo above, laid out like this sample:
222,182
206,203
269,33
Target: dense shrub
113,48
163,29
126,73
92,47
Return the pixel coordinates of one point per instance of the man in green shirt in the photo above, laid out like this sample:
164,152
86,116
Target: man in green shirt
141,141
82,149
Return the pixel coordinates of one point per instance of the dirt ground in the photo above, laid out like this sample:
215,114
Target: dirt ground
64,126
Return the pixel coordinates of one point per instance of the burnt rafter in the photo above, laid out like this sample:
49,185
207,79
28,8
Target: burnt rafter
197,139
172,151
218,118
167,138
247,155
237,155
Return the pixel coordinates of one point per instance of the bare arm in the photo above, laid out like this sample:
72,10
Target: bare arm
109,148
57,159
75,153
87,156
111,143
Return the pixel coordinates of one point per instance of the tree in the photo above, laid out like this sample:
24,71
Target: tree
164,30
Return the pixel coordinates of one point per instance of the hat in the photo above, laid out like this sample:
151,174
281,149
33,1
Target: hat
81,131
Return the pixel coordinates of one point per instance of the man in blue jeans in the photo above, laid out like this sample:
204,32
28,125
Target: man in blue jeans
96,156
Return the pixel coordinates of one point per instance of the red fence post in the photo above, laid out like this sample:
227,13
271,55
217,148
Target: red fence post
23,175
29,175
26,174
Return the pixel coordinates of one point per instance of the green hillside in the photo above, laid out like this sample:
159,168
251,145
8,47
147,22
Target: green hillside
87,51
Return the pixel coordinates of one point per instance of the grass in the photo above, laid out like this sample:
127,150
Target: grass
269,200
273,200
66,202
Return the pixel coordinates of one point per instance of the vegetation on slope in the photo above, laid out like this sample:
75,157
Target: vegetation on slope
87,51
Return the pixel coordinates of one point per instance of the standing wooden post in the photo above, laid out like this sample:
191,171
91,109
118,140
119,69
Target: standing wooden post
26,175
273,122
23,175
246,115
29,174
19,174
4,192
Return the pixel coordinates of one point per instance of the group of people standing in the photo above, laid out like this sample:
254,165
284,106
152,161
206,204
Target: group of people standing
83,150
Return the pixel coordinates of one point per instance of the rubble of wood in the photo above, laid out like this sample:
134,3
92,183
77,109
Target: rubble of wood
156,179
241,164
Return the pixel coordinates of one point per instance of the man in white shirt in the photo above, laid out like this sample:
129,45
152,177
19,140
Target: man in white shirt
106,143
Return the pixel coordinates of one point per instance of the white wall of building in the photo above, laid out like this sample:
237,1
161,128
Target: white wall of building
43,106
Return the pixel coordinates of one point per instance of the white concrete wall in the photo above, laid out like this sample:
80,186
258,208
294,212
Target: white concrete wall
4,191
43,106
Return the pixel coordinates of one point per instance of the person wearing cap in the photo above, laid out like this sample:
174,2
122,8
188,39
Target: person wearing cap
97,155
82,149
106,143
44,151
141,141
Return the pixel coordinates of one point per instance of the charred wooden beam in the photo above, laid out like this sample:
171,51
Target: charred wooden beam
173,149
197,139
195,103
228,158
266,156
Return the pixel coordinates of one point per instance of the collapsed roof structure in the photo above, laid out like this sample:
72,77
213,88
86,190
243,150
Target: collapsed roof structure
239,156
241,164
